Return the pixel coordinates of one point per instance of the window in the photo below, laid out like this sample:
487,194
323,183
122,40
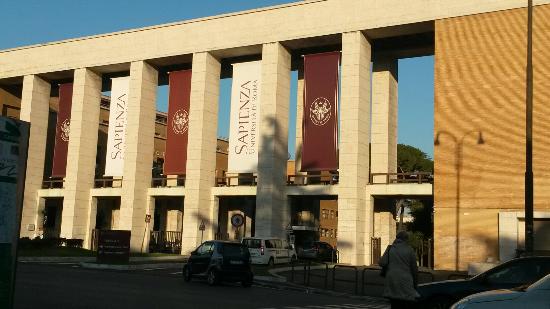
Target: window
253,243
233,250
516,273
332,214
205,249
269,243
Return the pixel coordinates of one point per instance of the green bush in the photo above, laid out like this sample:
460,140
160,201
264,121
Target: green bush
42,243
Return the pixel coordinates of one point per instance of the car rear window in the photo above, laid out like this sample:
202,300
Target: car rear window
234,250
252,243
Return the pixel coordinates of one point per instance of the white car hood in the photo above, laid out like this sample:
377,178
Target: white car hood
495,295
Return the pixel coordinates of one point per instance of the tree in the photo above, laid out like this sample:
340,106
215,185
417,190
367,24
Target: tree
412,159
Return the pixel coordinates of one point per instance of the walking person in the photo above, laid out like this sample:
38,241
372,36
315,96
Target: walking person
401,273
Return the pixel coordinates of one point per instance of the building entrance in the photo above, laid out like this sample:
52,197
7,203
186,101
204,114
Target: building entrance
108,212
166,233
53,209
313,218
243,207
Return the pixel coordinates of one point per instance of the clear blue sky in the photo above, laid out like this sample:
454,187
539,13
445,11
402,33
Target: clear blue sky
26,22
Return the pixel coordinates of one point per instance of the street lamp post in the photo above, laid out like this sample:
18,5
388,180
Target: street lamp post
529,237
458,164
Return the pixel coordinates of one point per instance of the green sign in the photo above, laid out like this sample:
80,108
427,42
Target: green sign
13,157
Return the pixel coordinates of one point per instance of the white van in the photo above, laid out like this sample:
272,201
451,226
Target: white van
269,250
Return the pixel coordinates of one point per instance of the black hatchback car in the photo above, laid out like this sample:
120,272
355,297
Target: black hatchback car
220,261
511,274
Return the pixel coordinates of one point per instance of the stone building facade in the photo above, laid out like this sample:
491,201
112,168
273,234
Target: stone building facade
479,59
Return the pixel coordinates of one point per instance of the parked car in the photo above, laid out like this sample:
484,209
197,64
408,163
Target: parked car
535,296
318,250
511,274
220,261
269,250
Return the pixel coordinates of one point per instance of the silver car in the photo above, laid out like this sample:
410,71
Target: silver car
534,296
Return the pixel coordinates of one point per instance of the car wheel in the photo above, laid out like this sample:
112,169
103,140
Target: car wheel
186,274
271,262
439,302
212,277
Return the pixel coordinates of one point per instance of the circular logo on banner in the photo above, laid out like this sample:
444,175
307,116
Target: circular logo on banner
180,122
237,220
65,130
319,111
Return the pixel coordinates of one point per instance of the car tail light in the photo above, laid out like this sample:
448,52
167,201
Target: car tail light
262,250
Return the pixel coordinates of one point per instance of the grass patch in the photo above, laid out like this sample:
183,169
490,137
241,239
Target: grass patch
76,252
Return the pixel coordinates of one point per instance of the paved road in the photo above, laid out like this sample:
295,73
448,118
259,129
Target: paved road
69,286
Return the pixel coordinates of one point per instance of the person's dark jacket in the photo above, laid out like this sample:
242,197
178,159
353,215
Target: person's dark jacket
402,271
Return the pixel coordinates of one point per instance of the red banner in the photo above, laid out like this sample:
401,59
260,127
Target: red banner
320,117
62,130
177,126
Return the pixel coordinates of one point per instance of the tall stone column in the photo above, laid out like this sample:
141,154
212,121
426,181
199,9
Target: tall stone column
201,150
384,118
355,211
299,128
272,209
81,156
34,109
138,154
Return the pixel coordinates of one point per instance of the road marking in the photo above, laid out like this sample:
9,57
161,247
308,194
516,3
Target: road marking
177,273
159,268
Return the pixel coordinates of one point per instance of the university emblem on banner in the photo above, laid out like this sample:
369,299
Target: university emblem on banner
320,111
180,122
65,130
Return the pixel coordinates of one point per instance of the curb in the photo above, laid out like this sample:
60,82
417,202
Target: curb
132,266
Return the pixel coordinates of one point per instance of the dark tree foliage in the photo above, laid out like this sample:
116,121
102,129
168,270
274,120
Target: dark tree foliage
412,159
421,211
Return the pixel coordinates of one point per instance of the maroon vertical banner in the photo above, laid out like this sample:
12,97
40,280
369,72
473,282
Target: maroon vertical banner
62,129
177,126
320,116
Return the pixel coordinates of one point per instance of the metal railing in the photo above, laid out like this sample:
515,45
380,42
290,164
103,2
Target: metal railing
356,281
160,182
53,184
363,281
236,180
165,242
107,183
392,178
304,180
